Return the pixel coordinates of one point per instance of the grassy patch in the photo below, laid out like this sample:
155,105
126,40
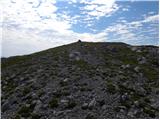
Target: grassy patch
150,73
13,60
53,103
10,87
35,116
25,111
71,104
26,90
110,87
81,64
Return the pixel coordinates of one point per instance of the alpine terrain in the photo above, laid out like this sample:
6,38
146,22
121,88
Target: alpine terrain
82,80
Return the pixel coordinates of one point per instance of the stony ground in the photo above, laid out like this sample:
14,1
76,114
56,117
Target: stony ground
82,80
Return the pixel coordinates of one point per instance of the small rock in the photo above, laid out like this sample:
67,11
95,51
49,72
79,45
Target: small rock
65,80
28,105
85,106
136,69
104,107
101,102
5,106
90,115
134,48
64,102
92,104
130,114
142,60
34,96
37,107
136,103
138,51
122,107
75,56
124,97
125,66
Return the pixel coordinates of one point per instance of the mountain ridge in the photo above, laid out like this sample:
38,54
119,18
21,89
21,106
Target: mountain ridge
82,80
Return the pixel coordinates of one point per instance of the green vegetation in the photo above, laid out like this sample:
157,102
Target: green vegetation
40,93
71,104
35,116
81,64
25,111
10,86
53,103
110,87
62,83
149,111
14,60
26,90
150,73
65,93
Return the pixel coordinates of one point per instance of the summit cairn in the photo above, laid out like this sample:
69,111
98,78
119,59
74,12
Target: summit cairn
79,40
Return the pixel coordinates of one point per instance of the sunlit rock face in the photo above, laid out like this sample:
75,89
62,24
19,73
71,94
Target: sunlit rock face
82,80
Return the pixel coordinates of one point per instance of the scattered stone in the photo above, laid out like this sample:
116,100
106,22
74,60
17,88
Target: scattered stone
124,97
85,106
142,60
90,115
37,106
5,106
82,80
134,48
136,103
104,107
92,104
75,56
137,69
125,66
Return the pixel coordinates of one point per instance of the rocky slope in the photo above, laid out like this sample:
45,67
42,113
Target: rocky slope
82,80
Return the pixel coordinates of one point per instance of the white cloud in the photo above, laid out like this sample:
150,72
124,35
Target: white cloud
24,14
151,18
133,32
125,9
99,8
90,7
47,8
19,42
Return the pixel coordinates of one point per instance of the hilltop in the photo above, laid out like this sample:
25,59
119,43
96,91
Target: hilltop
82,80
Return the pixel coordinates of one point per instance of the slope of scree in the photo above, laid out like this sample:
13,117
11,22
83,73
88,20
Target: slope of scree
82,80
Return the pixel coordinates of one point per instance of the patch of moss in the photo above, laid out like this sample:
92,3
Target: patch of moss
62,83
10,87
17,116
13,60
40,93
65,93
127,103
35,116
82,88
90,116
53,103
111,87
71,104
26,90
25,111
124,89
149,111
150,73
81,64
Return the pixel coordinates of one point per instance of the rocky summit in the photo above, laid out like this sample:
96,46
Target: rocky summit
82,80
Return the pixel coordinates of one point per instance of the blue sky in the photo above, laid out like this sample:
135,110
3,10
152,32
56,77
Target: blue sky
33,25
